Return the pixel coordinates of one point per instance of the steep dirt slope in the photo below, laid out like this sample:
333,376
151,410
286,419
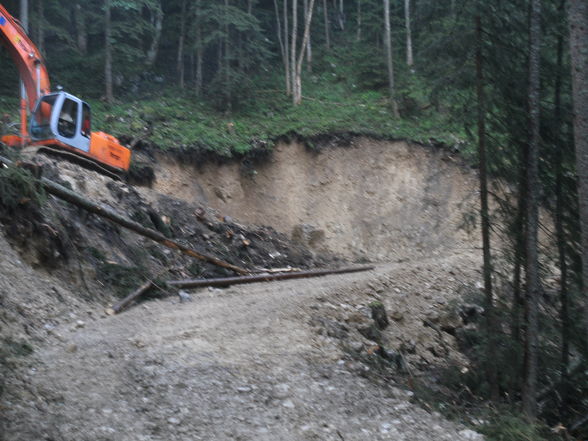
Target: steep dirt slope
379,200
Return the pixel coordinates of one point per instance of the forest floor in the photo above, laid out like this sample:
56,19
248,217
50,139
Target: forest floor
295,360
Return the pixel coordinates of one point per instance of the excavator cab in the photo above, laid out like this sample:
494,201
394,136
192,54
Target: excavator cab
62,117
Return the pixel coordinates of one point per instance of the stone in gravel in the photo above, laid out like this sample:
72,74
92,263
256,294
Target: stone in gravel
72,348
184,296
173,420
470,435
397,316
356,346
289,404
244,389
80,324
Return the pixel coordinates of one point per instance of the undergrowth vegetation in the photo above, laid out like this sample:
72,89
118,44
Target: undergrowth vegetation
344,96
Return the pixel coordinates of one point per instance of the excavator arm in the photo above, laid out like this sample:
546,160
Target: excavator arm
26,56
58,120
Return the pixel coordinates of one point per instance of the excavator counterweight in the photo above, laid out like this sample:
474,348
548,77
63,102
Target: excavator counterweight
58,120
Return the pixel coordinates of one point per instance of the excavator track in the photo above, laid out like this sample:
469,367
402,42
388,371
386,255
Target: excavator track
87,163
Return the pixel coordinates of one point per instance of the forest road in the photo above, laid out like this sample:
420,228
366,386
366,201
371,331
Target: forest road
242,363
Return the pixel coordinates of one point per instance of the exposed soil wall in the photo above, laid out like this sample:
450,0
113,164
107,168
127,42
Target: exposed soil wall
376,200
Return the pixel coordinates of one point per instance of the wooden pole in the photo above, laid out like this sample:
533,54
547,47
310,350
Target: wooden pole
118,307
227,281
73,198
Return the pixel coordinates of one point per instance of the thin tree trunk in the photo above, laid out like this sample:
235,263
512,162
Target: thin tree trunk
180,61
108,52
157,22
41,25
283,47
389,61
293,48
559,227
491,328
358,35
227,60
24,14
287,62
327,25
409,55
298,79
519,256
81,31
308,43
341,16
578,20
533,183
199,48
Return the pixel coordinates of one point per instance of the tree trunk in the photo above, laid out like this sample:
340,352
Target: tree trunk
341,15
532,271
559,226
81,32
327,25
24,14
199,49
358,34
283,47
578,20
293,44
308,43
41,26
157,22
180,61
227,61
108,52
409,56
298,79
491,327
389,61
287,63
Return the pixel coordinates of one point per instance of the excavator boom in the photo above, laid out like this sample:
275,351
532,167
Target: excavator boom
26,56
58,119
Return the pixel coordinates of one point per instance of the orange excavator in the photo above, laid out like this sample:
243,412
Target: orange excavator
59,121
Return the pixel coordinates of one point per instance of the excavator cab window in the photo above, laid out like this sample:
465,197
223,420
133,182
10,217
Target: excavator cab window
41,120
66,124
86,125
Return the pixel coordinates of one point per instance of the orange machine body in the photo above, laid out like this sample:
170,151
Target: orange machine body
51,112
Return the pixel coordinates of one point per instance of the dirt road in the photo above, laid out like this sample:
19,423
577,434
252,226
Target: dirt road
243,363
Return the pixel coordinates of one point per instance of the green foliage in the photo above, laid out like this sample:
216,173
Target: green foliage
509,426
19,187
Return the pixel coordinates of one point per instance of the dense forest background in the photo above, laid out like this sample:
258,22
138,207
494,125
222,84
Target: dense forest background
490,80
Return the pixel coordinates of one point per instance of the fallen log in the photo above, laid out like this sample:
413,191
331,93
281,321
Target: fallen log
118,307
227,281
73,198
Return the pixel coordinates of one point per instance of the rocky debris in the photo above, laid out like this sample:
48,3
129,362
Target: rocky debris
184,296
254,370
308,235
